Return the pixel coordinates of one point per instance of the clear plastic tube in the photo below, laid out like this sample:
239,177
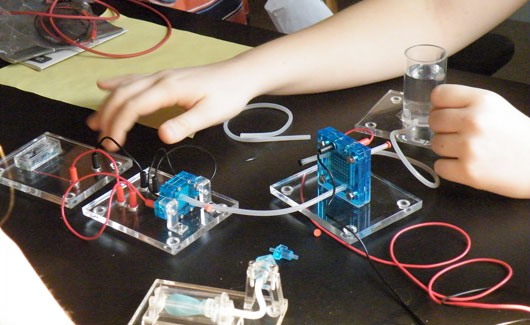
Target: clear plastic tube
261,303
262,213
266,136
407,162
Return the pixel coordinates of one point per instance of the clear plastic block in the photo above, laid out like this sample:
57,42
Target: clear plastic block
388,204
141,222
41,168
386,116
39,153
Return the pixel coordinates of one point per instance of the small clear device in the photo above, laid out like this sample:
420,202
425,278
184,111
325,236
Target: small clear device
369,202
173,224
42,168
169,302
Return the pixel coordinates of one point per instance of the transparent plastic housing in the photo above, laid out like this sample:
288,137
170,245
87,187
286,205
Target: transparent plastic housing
349,163
265,269
171,235
170,207
387,115
41,168
169,302
388,204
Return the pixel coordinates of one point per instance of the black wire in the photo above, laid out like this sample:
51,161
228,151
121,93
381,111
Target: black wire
389,286
183,146
163,153
463,294
166,155
394,293
99,146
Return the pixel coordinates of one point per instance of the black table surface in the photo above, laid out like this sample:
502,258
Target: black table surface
104,281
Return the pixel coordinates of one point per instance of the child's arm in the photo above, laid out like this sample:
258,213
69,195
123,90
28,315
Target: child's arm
24,299
359,45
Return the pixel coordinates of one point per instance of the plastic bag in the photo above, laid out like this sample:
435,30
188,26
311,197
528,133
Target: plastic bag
289,16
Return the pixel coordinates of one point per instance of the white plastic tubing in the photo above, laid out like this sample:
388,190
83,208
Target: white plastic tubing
262,213
407,162
258,314
267,136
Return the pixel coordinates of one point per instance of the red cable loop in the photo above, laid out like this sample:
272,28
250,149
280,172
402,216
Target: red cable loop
51,15
435,296
119,180
363,141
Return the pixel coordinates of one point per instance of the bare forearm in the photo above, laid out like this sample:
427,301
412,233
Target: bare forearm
25,299
365,43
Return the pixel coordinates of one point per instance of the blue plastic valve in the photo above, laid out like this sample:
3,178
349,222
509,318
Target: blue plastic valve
281,251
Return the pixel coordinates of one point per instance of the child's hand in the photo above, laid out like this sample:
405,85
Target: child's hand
486,141
210,94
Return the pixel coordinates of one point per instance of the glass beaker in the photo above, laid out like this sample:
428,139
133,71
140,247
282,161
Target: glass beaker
426,68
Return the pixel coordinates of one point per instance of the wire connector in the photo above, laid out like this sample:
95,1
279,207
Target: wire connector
283,252
170,205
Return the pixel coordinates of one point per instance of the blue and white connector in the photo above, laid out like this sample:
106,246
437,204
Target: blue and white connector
282,252
350,164
171,207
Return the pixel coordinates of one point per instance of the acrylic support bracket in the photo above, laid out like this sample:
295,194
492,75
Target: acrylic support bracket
388,204
141,222
385,116
143,313
169,302
42,168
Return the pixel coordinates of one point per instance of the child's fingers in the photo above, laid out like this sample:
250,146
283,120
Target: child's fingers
109,84
453,96
448,145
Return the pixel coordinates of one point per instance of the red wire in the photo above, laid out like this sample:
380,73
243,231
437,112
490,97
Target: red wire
119,179
365,130
435,296
70,41
52,175
62,16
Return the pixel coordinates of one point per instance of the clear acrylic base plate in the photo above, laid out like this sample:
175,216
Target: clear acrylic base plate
145,316
388,204
141,223
385,116
42,168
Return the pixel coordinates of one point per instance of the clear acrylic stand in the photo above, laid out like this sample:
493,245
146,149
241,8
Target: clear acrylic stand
385,116
388,204
41,168
141,222
144,312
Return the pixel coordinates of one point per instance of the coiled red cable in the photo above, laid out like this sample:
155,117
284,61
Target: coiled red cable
51,15
119,181
435,296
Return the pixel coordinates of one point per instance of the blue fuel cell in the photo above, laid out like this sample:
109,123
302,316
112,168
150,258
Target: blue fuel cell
350,164
184,183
